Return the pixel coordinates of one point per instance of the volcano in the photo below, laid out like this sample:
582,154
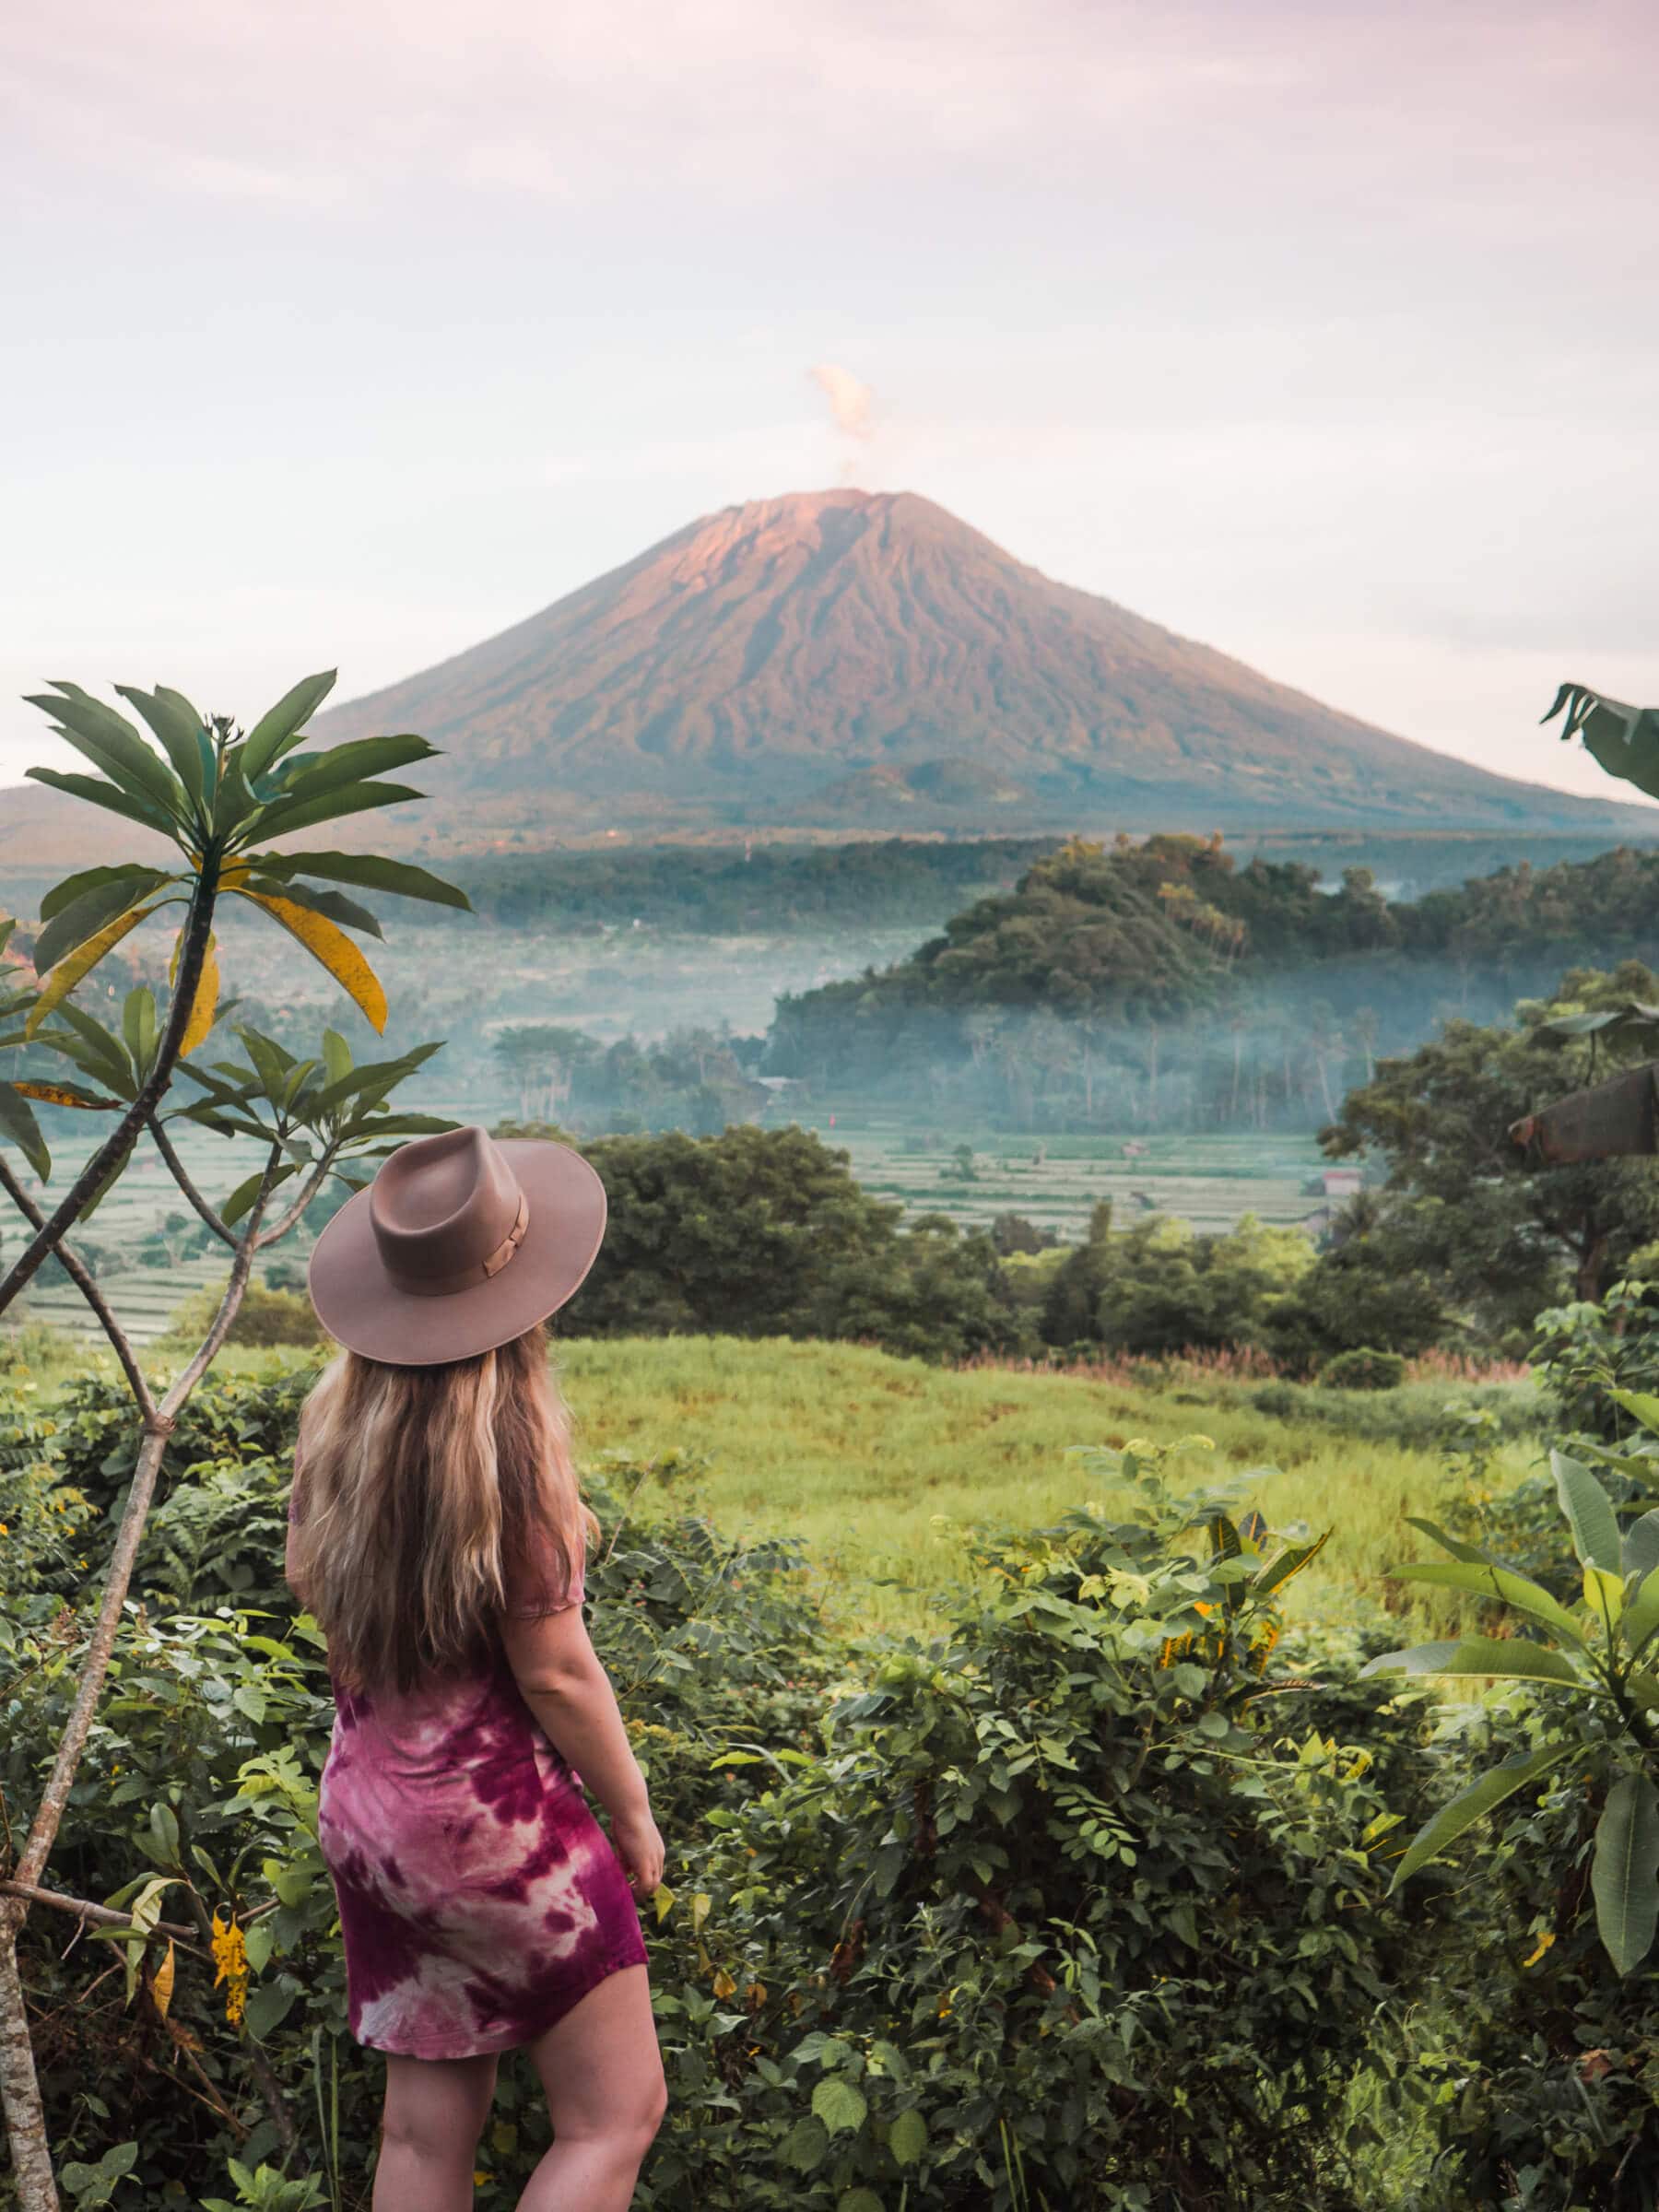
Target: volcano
864,661
865,658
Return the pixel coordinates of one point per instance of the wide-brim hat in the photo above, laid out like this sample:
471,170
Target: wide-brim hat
461,1242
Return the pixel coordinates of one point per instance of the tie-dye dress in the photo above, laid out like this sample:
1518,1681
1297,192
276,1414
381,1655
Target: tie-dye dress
479,1898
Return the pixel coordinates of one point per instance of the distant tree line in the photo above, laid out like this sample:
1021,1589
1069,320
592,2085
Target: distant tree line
1158,985
1456,1240
730,890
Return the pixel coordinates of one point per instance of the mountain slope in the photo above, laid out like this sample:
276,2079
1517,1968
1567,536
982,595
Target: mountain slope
859,657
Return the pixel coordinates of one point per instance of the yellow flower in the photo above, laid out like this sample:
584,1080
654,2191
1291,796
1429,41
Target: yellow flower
1542,1944
480,2177
231,1955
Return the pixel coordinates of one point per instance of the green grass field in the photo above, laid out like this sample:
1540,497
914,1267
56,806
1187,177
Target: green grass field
859,1453
881,1464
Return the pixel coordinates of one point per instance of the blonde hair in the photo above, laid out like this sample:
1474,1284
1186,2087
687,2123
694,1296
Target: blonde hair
423,1490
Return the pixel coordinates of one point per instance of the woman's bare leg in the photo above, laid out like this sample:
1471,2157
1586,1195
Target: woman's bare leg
603,2075
435,2113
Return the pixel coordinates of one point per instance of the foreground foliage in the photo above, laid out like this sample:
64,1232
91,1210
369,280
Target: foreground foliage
1077,1878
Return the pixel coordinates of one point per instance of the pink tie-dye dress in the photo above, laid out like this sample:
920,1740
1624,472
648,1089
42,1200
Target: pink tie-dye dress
479,1898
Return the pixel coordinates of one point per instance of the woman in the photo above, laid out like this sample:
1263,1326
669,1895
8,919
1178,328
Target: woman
438,1535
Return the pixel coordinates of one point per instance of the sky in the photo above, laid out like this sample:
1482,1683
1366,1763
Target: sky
347,335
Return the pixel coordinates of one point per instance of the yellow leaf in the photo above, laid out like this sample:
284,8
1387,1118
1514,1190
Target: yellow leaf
1546,1938
81,961
327,943
55,1095
661,1897
700,1909
206,997
724,1984
161,1988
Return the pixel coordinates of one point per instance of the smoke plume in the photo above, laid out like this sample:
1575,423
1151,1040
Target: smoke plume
852,406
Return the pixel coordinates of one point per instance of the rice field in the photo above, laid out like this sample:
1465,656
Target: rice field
1055,1181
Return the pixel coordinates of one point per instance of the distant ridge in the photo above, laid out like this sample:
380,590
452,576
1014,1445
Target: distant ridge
852,662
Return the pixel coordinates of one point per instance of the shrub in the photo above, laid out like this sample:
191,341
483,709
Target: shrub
1363,1369
267,1316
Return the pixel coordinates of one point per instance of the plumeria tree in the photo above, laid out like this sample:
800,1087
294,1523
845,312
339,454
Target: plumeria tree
219,798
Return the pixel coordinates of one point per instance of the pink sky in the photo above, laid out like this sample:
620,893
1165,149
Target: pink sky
350,335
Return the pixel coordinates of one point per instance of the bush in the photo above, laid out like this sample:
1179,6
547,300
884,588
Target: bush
1363,1370
265,1317
764,1232
1586,1351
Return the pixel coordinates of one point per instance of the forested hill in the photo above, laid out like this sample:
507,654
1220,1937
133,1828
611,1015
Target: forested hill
1173,926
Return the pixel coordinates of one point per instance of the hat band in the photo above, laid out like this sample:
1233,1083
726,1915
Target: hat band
464,1278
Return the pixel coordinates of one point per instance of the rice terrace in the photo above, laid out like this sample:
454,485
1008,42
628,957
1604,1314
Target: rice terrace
829,1382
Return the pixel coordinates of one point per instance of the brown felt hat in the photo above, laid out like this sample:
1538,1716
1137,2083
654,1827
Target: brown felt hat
459,1244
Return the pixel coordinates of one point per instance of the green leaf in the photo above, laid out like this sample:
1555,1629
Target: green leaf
1641,1405
164,1828
1603,1593
858,2200
1638,1552
90,879
1473,1553
97,1051
177,728
1499,1583
1623,1878
1482,1796
336,1056
286,815
355,762
234,806
19,1126
109,742
102,795
84,916
1510,1658
1641,1615
1589,1512
806,2146
244,1196
839,2105
279,728
907,2139
268,2007
368,870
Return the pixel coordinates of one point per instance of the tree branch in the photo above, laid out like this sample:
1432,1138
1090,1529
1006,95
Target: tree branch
241,1267
81,1276
164,1145
157,1427
120,1142
103,1916
313,1184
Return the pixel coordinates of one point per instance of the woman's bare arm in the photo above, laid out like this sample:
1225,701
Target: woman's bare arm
561,1679
288,1568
